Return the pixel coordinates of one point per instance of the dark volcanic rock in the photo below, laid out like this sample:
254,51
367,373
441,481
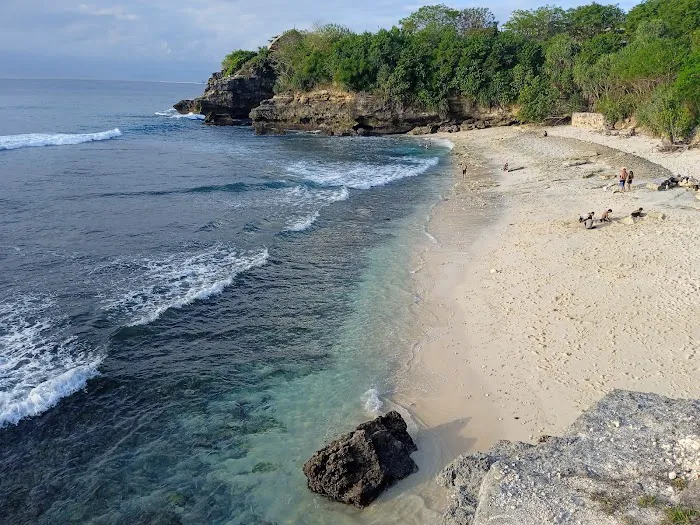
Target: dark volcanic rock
236,95
185,106
359,466
218,119
229,99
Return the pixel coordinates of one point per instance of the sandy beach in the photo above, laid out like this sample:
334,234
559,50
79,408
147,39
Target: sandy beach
530,318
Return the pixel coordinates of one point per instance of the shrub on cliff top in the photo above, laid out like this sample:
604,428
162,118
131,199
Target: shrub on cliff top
235,60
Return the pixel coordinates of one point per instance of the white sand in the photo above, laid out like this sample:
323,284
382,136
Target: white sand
529,321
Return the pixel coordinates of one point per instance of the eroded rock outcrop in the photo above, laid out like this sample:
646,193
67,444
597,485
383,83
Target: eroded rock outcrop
632,458
357,467
342,113
228,100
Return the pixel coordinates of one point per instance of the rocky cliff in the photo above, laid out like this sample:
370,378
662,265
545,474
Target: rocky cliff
632,459
227,100
342,113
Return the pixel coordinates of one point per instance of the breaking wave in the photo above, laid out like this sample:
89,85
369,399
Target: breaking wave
303,224
360,175
371,402
175,281
172,113
30,140
39,364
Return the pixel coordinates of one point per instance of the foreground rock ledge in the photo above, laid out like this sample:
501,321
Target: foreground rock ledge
633,458
359,466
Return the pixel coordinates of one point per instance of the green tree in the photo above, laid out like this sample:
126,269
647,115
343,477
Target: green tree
430,17
587,21
538,100
667,115
539,24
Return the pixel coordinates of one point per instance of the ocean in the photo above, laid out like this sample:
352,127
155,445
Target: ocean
188,312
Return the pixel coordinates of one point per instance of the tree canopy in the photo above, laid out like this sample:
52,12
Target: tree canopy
547,61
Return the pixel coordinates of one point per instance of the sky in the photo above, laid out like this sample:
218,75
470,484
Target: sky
181,40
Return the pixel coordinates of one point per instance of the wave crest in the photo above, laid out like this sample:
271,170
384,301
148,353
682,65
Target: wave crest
157,285
39,365
172,113
30,140
361,175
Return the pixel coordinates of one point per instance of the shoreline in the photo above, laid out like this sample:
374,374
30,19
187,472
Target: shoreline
528,318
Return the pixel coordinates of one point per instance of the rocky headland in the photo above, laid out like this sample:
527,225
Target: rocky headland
633,458
248,98
228,100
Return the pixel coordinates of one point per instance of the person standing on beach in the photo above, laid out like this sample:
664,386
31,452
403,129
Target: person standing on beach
630,177
464,171
623,178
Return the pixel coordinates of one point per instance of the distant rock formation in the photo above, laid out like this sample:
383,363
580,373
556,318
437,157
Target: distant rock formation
633,458
227,100
343,113
357,467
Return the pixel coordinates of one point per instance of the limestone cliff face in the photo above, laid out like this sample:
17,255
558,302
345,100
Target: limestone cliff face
342,113
632,458
227,100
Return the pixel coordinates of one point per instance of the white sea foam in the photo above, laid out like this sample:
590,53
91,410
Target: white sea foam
157,285
310,202
360,175
303,224
39,364
444,143
29,140
172,113
371,402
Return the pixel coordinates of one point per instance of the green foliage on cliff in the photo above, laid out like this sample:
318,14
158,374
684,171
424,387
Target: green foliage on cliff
547,62
235,60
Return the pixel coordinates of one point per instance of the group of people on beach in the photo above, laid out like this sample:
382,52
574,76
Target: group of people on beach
625,180
589,220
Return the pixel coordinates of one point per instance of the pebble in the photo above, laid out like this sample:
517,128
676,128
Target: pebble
672,476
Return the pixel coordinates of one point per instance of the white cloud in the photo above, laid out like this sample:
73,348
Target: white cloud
117,12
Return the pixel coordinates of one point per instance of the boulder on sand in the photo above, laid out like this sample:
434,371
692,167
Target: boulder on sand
357,467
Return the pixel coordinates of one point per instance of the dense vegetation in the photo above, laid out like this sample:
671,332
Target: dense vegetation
546,62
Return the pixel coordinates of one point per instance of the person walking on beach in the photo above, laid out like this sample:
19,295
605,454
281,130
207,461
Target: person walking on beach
464,171
505,167
623,178
630,178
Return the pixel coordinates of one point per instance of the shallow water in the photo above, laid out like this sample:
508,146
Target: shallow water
188,312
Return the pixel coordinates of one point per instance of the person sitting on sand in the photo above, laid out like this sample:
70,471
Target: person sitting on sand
637,213
505,167
606,216
623,178
588,220
545,133
630,178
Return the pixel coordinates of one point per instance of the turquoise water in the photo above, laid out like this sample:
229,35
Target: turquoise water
188,312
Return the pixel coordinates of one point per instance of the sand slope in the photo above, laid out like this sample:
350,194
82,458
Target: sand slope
531,319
